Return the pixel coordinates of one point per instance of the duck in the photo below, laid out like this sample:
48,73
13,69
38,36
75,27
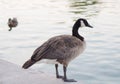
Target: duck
12,23
61,49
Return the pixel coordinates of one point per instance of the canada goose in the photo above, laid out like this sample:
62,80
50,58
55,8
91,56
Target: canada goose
62,49
12,23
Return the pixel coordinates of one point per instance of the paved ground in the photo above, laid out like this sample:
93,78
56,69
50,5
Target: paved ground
14,74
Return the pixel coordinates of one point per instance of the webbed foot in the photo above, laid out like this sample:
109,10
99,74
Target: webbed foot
69,80
59,76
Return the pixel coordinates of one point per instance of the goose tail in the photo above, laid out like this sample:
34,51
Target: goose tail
28,63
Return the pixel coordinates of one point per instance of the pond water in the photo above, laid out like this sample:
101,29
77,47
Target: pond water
39,20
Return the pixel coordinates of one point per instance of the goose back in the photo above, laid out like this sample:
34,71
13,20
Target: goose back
62,48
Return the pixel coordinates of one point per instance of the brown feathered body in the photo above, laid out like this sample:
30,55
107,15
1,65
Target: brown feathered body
62,48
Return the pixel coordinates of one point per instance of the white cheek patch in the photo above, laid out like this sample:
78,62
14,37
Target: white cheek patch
82,24
48,61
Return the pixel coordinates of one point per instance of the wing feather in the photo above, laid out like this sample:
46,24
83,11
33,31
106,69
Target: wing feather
58,47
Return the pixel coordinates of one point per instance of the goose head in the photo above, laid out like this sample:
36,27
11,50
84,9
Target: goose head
79,23
9,20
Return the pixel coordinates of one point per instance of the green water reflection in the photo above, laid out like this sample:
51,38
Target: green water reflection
87,8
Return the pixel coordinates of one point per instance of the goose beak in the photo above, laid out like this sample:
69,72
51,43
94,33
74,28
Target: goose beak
89,26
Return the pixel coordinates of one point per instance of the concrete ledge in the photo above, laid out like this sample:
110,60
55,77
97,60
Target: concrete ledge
14,74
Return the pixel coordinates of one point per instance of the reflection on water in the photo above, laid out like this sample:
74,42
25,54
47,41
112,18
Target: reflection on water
77,3
85,7
40,20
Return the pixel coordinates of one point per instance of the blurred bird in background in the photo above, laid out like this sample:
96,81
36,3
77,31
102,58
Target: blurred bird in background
12,23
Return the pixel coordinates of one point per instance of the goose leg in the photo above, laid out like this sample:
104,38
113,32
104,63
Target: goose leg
65,76
57,73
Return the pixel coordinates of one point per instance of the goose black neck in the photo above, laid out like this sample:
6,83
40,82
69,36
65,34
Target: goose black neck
75,29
